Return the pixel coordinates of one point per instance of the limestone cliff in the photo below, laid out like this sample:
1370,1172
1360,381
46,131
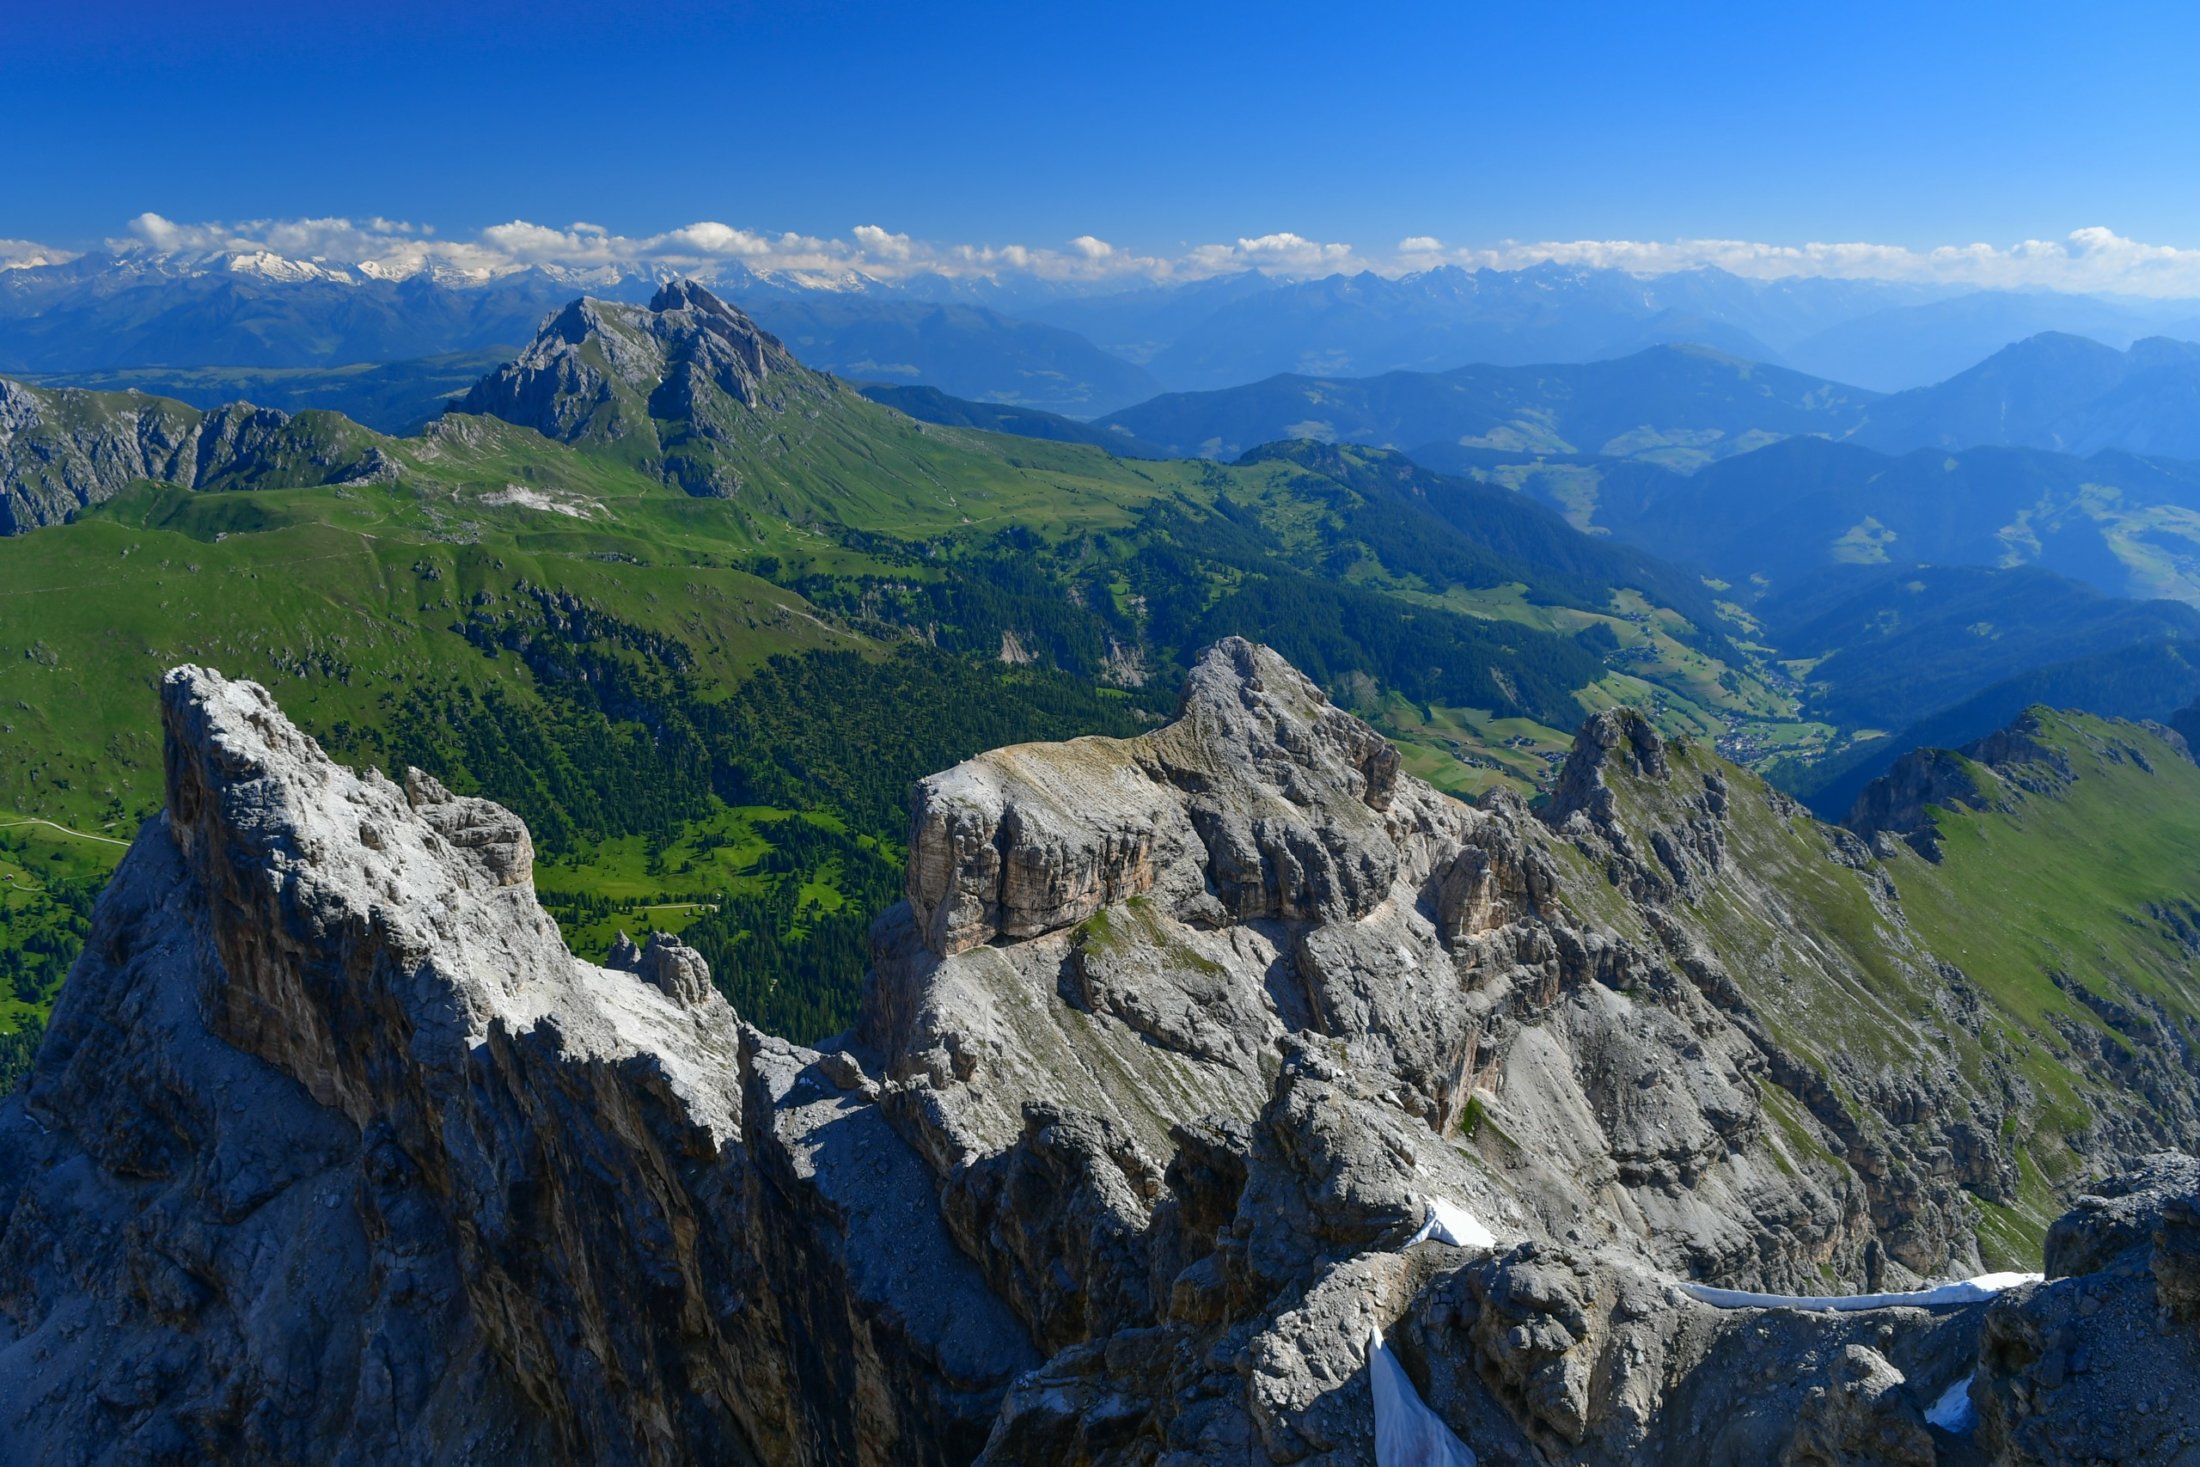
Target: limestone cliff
65,450
683,387
335,1153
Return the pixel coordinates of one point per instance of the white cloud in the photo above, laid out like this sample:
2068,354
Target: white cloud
23,254
2087,260
537,244
885,246
1274,254
2093,259
721,239
392,249
168,236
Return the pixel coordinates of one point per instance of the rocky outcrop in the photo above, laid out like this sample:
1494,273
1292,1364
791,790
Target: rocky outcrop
333,1150
2099,1363
1901,801
1177,1054
64,450
675,384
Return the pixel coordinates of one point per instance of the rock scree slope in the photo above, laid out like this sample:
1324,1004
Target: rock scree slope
334,1152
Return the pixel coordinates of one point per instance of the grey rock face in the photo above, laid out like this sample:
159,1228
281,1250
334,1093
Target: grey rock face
413,1183
1900,801
335,1153
1560,1354
65,450
1863,1416
2100,1362
678,378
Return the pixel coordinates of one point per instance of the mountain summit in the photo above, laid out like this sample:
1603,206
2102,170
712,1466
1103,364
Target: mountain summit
681,386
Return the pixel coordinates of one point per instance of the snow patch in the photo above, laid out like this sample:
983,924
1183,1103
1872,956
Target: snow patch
270,266
1448,1222
1963,1291
1407,1433
527,498
1953,1412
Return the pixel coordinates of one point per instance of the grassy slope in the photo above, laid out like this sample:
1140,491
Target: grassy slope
2074,883
335,596
2067,882
352,604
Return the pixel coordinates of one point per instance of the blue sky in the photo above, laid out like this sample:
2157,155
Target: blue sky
1155,127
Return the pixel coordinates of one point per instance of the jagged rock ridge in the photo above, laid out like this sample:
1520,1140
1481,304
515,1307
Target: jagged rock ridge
681,385
334,1152
65,450
1901,801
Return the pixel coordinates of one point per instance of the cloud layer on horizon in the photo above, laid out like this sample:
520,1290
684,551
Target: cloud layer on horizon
2093,259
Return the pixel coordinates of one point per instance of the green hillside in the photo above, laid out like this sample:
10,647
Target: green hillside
705,646
2068,898
2051,947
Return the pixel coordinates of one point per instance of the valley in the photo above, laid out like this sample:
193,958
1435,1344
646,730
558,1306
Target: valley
700,696
981,736
656,605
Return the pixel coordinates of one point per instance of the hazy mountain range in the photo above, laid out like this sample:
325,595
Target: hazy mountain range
2055,391
1057,346
1681,403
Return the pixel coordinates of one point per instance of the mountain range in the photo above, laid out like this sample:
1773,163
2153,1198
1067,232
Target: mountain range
1102,963
1082,348
1881,335
2123,524
687,391
661,586
2054,391
1681,404
1684,406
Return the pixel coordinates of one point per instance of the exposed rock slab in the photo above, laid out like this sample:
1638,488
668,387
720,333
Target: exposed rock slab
335,1152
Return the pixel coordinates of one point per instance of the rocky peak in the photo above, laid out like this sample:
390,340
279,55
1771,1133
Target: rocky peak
690,296
435,890
1261,799
682,378
1620,742
1193,1062
2023,756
